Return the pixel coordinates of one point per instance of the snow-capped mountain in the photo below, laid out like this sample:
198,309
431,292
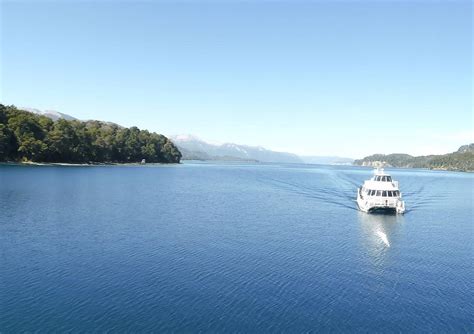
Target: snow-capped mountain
195,148
54,115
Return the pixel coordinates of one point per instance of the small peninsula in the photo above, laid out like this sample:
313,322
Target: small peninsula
29,137
461,160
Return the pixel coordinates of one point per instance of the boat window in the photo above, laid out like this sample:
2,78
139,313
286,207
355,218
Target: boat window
389,179
379,193
384,178
390,193
396,193
384,193
372,192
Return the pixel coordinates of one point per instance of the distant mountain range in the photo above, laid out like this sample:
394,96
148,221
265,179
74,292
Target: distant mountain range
462,160
54,115
194,148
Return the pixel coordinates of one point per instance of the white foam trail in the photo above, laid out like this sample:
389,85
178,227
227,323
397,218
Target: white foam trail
384,238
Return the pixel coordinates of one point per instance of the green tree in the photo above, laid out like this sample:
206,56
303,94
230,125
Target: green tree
27,136
8,145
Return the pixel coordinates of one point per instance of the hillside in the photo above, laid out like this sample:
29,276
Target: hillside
461,160
37,137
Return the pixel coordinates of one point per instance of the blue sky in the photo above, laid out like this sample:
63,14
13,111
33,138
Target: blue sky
347,78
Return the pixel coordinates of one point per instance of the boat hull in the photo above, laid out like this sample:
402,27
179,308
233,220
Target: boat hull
371,205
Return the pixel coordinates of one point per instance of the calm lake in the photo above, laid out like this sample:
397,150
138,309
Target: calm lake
232,247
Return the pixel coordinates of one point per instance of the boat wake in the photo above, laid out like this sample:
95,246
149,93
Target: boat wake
341,195
418,197
338,188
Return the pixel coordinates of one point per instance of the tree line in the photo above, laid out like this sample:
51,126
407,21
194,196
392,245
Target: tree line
25,136
462,160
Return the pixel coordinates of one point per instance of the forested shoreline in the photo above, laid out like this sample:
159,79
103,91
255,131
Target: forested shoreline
461,160
28,137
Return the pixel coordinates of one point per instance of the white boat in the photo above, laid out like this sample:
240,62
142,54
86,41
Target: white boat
380,193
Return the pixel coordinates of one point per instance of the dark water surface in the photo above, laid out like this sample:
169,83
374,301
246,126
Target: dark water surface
229,247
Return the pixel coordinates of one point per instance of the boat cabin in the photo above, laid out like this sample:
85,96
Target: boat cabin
382,178
383,193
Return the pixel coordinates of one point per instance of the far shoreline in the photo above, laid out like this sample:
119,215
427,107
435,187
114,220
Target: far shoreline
136,164
435,169
95,164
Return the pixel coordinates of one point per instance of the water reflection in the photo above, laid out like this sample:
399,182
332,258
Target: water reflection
378,232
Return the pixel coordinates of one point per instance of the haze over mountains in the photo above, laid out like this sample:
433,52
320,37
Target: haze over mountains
194,148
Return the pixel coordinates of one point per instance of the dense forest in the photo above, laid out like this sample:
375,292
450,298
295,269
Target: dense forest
462,160
25,136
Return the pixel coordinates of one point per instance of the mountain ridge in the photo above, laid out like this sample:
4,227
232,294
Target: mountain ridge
52,114
193,147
